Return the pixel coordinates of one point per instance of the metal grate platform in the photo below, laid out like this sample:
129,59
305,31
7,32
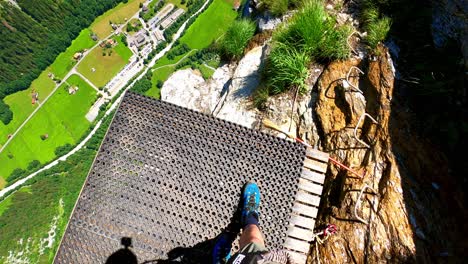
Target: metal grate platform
170,177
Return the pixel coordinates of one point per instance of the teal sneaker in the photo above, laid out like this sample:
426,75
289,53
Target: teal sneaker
250,204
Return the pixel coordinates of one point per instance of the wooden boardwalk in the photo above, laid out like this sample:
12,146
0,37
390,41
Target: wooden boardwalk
305,208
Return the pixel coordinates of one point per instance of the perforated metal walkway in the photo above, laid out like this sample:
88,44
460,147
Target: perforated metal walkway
170,177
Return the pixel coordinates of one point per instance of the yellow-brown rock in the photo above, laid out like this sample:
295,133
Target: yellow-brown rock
401,217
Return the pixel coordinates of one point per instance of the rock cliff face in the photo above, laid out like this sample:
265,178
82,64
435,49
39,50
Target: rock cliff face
379,228
404,213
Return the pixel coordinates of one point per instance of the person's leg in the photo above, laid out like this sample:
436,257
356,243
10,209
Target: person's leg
251,241
251,234
250,212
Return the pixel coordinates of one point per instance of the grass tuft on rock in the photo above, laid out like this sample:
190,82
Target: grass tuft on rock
236,38
335,46
311,34
287,67
376,26
276,7
377,31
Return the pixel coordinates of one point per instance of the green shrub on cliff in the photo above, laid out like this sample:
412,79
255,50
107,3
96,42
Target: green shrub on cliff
276,7
376,25
310,35
287,67
377,31
236,38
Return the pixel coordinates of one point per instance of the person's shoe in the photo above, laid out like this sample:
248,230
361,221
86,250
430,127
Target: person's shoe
250,204
222,249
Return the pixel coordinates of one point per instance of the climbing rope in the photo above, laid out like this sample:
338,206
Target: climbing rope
270,124
329,230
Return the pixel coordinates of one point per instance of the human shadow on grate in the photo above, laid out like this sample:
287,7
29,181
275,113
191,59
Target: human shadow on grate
199,253
123,255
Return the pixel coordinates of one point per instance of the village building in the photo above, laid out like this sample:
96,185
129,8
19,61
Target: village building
77,56
110,42
34,97
158,35
139,39
171,18
72,89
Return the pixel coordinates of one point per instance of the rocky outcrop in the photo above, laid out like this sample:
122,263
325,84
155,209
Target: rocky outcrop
267,22
398,218
226,95
187,88
182,89
293,112
235,104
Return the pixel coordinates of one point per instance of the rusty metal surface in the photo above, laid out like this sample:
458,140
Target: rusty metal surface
170,177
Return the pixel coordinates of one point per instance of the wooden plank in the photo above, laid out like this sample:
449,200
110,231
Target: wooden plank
313,176
303,209
317,154
301,233
299,258
310,187
296,245
302,221
315,165
307,198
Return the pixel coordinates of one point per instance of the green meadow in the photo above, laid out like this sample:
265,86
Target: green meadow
210,25
102,63
62,119
65,62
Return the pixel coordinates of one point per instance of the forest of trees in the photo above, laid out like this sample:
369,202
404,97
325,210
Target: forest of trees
35,34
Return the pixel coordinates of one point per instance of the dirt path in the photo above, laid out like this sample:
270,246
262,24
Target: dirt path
208,66
175,64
